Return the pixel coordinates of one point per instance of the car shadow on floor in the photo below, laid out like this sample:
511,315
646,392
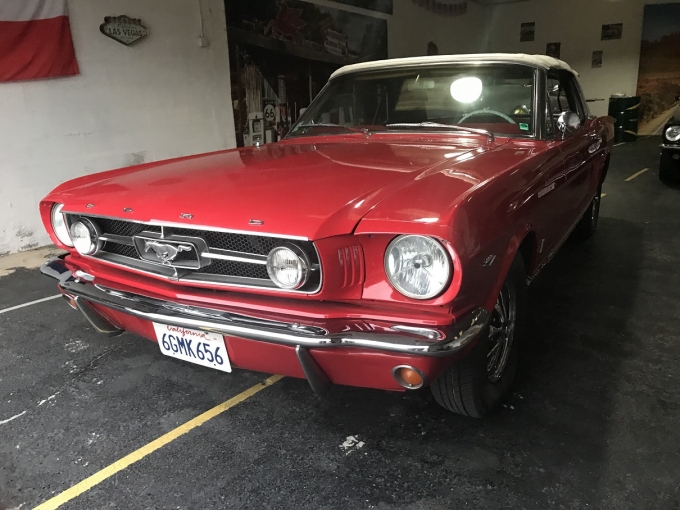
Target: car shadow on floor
549,441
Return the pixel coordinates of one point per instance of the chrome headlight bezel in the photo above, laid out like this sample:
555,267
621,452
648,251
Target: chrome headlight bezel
59,225
438,248
90,243
302,262
672,133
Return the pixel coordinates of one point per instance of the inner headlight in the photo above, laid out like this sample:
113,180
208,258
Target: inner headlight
673,134
85,236
288,267
59,225
417,266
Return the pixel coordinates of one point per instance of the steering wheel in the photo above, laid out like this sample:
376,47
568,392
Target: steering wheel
485,112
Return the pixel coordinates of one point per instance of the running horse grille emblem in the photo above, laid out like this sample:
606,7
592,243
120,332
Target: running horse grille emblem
166,252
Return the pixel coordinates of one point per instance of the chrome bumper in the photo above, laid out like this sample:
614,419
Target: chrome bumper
405,339
670,147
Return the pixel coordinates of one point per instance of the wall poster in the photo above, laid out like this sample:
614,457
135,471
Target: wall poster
611,32
597,59
553,49
659,77
527,32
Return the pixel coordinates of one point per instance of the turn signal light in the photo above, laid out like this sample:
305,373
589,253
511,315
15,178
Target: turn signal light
71,302
409,377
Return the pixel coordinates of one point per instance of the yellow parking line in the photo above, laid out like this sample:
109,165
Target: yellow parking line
636,174
151,447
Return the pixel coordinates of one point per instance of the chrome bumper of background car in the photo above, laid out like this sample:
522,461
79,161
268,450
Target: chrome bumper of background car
667,146
406,339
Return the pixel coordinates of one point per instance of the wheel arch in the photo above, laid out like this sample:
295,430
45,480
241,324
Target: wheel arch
605,168
523,243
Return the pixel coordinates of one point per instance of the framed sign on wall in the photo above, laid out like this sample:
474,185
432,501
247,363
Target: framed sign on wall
123,29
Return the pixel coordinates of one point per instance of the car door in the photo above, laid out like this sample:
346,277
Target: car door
549,189
578,148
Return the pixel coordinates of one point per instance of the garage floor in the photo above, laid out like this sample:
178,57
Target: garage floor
592,422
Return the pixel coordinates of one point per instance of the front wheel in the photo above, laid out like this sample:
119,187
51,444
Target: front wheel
475,385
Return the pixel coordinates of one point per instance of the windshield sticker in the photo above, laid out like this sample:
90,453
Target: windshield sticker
523,126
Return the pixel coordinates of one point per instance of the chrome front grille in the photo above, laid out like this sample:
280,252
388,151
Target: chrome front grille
225,258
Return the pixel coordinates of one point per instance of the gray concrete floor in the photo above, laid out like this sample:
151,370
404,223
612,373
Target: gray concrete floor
592,421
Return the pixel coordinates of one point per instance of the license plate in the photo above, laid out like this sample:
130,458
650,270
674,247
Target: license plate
200,347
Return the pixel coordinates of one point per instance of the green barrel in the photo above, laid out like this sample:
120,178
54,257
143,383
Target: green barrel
626,111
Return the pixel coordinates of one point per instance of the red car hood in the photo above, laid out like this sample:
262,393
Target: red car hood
310,190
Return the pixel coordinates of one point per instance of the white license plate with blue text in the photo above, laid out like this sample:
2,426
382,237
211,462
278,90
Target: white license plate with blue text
200,347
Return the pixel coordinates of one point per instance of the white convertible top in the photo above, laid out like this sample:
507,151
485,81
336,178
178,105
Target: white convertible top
542,61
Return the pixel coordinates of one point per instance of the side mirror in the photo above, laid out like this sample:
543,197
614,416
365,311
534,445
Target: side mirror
568,123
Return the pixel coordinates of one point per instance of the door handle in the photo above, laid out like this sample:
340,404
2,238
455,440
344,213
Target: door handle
597,143
595,147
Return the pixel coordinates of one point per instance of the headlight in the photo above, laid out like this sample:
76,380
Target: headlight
417,266
673,134
59,225
288,267
85,236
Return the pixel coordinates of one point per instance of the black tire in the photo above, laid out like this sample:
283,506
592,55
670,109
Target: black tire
667,174
469,387
586,228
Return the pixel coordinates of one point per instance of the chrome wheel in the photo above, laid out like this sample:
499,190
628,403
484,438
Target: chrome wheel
501,332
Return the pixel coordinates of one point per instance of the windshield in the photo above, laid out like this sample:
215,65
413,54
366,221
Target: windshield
495,97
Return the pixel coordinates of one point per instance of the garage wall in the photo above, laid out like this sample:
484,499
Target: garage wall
160,98
577,24
412,27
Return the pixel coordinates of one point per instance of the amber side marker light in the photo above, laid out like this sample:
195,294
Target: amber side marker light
70,301
409,377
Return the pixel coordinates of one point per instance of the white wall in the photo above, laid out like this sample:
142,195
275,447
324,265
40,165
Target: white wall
577,24
160,98
412,27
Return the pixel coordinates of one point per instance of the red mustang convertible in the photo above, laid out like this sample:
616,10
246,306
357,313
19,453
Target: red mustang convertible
386,242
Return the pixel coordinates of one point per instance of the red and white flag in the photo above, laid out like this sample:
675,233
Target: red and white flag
35,40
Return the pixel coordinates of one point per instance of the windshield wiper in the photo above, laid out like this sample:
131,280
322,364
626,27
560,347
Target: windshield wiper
442,126
330,124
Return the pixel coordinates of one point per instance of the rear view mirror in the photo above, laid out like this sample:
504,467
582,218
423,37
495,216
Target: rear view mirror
568,123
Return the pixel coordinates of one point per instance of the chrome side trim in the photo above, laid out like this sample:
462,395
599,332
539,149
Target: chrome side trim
453,337
554,251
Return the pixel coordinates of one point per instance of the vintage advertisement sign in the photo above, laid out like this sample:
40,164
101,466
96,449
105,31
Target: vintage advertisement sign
123,29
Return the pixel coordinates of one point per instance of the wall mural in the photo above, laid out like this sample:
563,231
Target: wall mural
445,8
308,30
373,5
659,78
282,53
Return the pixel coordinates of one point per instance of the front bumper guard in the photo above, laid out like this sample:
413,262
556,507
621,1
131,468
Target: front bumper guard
80,290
